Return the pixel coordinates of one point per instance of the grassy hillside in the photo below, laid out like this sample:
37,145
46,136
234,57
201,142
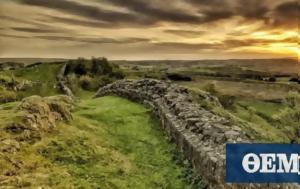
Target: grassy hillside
115,143
42,78
290,65
111,143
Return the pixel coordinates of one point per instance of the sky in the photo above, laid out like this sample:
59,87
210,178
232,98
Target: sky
149,29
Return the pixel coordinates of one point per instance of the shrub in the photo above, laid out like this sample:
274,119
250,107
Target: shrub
178,77
227,101
91,74
211,88
118,74
291,114
101,66
85,82
292,100
80,69
105,80
96,67
294,79
272,79
7,96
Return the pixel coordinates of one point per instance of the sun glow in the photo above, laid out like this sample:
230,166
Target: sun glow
280,35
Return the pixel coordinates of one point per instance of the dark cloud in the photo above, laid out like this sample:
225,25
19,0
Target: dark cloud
138,17
209,3
157,13
252,9
186,33
34,30
222,9
141,13
95,39
209,10
148,13
87,23
13,36
23,21
88,11
211,15
287,14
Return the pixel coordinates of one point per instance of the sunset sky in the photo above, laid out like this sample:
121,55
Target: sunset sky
149,29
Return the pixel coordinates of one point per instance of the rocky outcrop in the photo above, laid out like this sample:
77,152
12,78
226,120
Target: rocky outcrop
199,134
39,115
26,124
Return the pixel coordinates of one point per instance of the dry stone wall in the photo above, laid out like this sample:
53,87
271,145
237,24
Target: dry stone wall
61,82
199,134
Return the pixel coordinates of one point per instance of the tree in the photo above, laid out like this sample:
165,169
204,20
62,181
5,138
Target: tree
96,67
101,66
106,66
80,69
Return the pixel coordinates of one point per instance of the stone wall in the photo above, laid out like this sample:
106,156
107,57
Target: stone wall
199,134
61,82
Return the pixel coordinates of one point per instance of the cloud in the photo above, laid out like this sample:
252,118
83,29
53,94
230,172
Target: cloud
287,14
252,9
226,44
248,42
149,26
215,15
35,30
210,3
188,46
13,36
186,33
19,20
149,13
88,11
97,40
80,22
157,13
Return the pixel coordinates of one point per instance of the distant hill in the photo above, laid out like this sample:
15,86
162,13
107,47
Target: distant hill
265,65
28,61
289,66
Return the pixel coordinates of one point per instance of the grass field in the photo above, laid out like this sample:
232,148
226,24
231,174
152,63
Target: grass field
111,143
250,89
114,143
43,77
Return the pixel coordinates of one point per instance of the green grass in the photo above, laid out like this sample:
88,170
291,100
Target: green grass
255,117
112,143
141,157
260,114
42,76
267,108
